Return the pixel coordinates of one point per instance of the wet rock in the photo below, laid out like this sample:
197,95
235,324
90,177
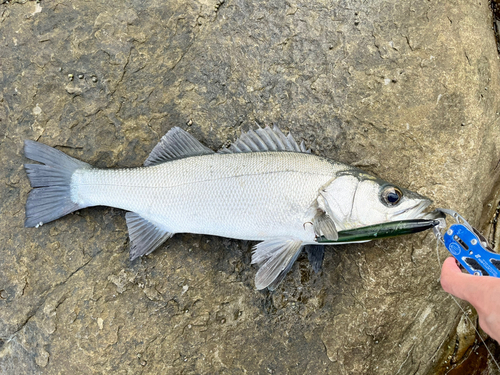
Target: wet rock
408,92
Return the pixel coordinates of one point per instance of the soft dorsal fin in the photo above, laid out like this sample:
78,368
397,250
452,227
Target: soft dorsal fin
265,139
176,144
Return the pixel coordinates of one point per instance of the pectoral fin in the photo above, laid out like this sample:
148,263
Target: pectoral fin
323,222
323,225
145,237
275,258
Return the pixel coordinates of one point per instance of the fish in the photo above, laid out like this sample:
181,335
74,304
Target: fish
264,187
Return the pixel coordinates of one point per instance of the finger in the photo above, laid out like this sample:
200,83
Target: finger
480,291
451,265
453,281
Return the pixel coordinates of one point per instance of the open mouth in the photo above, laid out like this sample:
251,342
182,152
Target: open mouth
416,212
436,214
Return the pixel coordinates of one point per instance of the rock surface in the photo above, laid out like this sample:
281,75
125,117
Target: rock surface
406,90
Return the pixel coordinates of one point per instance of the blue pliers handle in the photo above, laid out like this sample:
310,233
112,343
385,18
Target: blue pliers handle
471,250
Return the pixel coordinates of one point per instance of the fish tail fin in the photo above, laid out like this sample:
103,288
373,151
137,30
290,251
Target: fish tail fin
51,197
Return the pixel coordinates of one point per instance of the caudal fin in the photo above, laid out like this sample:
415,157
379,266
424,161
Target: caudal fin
51,197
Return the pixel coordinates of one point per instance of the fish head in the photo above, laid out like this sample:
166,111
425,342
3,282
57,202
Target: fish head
358,199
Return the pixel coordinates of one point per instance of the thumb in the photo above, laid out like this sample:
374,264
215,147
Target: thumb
454,281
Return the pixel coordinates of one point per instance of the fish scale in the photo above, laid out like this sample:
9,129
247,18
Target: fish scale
250,196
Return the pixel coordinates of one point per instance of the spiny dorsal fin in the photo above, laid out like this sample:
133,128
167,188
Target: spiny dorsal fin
274,257
145,237
265,139
176,144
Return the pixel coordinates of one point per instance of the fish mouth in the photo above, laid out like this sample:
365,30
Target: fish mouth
416,211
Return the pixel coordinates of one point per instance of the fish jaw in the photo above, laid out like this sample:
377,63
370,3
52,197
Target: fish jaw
415,212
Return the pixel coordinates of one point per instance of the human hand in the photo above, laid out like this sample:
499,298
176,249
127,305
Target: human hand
482,292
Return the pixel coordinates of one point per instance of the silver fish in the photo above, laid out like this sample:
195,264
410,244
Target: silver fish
265,187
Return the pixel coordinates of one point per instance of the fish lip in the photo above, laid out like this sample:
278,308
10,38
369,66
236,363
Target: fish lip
418,208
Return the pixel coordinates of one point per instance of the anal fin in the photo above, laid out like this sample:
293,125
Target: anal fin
145,237
274,257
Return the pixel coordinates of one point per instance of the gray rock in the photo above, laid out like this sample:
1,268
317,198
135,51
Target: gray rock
405,90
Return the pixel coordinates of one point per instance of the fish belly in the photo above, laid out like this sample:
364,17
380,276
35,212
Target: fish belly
254,196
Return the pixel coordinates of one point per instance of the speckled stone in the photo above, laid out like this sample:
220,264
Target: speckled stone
405,90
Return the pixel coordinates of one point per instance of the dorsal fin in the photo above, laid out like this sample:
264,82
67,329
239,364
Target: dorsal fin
176,144
265,139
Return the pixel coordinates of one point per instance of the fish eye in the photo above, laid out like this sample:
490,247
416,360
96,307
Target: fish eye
391,195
